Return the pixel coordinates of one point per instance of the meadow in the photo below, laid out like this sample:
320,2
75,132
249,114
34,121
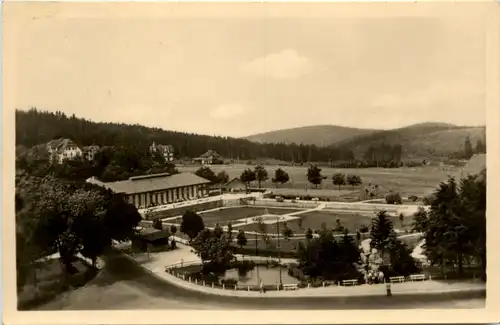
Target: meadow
315,219
419,181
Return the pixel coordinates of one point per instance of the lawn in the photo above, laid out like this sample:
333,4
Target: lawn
315,219
417,181
46,281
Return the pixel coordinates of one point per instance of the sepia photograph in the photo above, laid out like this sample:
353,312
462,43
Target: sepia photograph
247,156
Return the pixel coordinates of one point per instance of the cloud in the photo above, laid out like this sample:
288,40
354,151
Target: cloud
227,112
286,64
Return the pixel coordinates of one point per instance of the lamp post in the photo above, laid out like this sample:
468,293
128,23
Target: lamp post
257,254
279,249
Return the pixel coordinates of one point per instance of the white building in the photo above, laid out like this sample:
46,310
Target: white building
89,152
63,149
167,151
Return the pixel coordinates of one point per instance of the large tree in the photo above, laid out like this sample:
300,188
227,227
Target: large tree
468,150
338,180
260,174
420,219
192,224
214,250
382,234
354,180
314,175
222,177
456,228
241,239
70,219
248,176
280,176
207,173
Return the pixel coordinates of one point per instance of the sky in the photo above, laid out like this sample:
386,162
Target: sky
245,74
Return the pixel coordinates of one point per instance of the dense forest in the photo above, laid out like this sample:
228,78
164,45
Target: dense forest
36,127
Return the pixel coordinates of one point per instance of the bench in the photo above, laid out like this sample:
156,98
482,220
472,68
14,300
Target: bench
395,279
352,282
416,277
290,287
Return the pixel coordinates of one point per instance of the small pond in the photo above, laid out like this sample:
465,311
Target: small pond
268,275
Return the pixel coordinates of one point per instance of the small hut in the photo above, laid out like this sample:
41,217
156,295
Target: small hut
150,238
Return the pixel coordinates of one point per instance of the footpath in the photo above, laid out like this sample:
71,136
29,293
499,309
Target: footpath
156,263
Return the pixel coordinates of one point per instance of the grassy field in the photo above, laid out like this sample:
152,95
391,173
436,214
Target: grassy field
418,181
314,219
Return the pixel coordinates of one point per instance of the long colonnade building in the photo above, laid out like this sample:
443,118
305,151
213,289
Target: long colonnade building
157,189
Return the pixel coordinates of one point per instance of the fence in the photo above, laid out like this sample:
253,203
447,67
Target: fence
228,284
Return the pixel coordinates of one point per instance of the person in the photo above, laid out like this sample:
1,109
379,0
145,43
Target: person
381,277
261,287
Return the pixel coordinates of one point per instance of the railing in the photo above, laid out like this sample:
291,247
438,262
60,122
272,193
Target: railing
395,279
351,282
417,277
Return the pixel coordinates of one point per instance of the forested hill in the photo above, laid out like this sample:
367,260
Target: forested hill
420,140
320,135
35,127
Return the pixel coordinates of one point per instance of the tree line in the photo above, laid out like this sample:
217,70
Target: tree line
58,212
34,127
455,226
110,163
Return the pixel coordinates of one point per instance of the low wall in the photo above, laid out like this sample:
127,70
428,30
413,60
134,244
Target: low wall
177,211
274,203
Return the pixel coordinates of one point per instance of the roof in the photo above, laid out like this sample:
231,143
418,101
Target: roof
60,144
155,182
152,234
234,180
210,153
162,147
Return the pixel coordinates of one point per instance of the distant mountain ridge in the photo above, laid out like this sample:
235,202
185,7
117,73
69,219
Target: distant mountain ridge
319,135
417,140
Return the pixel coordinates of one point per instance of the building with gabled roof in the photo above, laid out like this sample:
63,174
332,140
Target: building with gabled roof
157,189
62,149
209,158
89,152
235,185
166,150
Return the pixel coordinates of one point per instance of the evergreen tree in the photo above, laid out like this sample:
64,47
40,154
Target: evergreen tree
468,151
420,219
456,226
382,233
241,239
350,251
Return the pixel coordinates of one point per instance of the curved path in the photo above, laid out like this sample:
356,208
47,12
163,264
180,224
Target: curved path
138,289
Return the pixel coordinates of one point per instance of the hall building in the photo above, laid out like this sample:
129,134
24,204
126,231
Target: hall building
158,189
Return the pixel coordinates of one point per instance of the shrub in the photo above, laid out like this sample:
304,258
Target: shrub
229,282
413,198
364,229
393,198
